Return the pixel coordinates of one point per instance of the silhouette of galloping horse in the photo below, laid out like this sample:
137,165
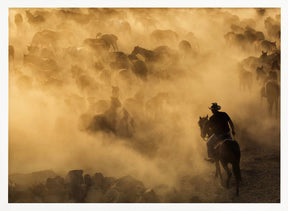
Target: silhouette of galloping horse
226,151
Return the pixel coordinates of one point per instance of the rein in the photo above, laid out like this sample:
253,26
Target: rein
204,131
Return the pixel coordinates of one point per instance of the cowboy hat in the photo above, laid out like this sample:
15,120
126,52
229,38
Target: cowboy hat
215,106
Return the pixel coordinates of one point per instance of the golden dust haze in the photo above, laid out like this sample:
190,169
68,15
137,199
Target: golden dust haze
55,93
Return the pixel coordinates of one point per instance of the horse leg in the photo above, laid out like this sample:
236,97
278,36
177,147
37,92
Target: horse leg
218,170
115,46
237,174
225,166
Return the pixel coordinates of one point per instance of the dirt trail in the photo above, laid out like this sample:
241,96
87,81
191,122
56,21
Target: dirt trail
260,167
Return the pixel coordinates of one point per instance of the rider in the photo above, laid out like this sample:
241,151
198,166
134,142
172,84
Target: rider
218,124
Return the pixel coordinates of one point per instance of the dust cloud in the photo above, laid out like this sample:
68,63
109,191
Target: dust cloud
74,104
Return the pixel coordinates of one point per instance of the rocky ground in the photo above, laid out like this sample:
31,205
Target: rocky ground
260,172
76,187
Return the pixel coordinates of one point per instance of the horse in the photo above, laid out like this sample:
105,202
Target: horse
47,39
265,45
271,91
18,19
102,43
260,74
185,46
226,151
109,39
119,60
245,79
115,120
97,44
139,67
35,19
149,56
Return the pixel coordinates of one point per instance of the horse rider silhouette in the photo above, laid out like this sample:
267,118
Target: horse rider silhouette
219,125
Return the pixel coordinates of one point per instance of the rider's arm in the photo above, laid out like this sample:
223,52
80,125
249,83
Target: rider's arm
232,126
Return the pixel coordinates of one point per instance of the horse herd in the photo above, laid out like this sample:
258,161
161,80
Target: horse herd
53,53
261,71
96,63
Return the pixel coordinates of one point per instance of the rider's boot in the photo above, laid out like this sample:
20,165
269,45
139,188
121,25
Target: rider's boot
210,156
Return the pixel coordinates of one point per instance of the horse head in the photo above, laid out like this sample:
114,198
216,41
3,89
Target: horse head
135,50
202,124
264,54
132,57
259,68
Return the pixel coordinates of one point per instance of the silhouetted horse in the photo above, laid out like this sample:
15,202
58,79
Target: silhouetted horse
34,19
149,56
162,62
102,43
160,54
260,74
226,151
245,79
272,92
139,67
268,46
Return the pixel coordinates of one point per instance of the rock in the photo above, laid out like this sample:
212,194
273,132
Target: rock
57,191
112,196
79,189
98,180
94,196
75,177
107,183
126,190
149,196
87,180
76,187
55,183
38,190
